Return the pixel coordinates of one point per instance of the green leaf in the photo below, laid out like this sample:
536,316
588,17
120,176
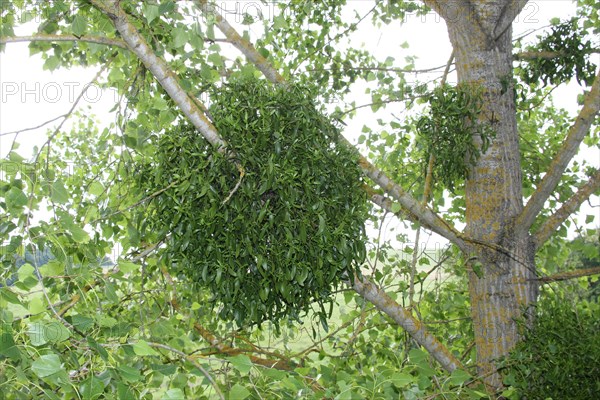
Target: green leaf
242,363
96,188
125,392
78,234
216,59
142,348
82,323
174,394
56,332
92,388
280,22
9,296
238,392
396,207
400,379
51,63
16,198
165,369
180,37
79,25
166,7
52,268
196,41
151,12
129,374
8,347
41,333
59,193
36,305
46,365
459,377
106,321
127,266
26,271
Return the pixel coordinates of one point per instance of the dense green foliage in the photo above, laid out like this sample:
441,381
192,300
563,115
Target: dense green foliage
560,356
269,243
567,56
448,130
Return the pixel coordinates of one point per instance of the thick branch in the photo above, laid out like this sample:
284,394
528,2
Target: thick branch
159,68
563,276
406,320
239,42
548,55
435,6
576,134
509,13
421,213
64,38
546,230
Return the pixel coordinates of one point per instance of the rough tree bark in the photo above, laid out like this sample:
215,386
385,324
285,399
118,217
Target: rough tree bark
504,288
504,283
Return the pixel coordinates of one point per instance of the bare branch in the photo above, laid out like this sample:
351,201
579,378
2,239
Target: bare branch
404,318
239,42
64,38
548,55
384,69
546,230
576,134
17,132
563,276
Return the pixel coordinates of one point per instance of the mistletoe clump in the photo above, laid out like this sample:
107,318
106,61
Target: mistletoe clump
448,130
563,54
270,225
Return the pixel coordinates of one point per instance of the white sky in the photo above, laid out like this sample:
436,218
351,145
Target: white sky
30,96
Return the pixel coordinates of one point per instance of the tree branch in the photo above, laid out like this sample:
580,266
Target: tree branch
435,6
64,38
576,134
159,68
548,55
508,15
563,276
239,42
406,320
546,230
421,213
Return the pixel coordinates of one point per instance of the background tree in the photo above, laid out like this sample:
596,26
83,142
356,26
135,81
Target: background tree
492,146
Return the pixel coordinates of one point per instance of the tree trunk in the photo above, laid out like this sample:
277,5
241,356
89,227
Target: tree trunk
502,283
